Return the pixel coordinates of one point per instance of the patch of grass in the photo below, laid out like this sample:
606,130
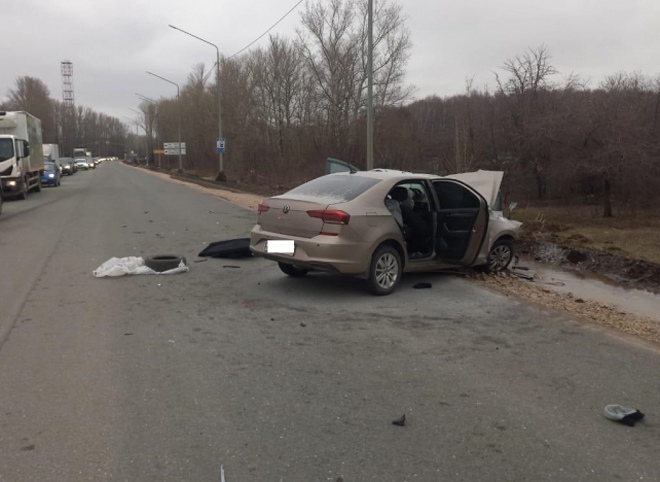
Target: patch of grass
632,234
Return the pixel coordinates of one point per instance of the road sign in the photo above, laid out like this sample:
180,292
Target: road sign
220,145
172,148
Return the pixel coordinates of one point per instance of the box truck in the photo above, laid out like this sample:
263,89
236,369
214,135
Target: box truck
51,153
21,153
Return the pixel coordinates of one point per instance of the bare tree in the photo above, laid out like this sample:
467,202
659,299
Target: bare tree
334,42
33,96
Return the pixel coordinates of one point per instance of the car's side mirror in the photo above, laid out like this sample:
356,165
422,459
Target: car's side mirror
512,206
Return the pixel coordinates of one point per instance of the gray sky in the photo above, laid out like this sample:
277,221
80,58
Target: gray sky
113,42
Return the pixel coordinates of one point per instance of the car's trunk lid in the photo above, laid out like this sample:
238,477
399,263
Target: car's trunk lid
288,216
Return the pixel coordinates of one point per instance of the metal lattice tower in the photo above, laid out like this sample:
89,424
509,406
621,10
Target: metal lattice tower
67,83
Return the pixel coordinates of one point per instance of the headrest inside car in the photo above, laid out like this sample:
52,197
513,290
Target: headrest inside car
399,193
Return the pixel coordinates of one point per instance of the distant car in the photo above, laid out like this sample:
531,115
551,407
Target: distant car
379,224
66,165
51,174
81,163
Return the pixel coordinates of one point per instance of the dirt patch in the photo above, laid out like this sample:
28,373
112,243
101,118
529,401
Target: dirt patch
593,312
628,272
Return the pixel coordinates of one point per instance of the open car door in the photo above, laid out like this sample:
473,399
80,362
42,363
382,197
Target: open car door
461,219
335,165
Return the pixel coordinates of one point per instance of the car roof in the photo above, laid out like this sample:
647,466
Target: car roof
388,175
50,164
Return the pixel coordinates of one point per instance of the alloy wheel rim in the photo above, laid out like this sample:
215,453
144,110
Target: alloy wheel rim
387,271
500,257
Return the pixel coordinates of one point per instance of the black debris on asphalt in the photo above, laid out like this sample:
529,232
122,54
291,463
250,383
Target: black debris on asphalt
231,248
401,421
424,285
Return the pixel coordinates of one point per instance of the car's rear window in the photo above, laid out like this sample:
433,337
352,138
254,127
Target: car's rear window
334,188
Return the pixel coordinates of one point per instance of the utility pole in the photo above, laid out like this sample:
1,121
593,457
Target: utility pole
370,88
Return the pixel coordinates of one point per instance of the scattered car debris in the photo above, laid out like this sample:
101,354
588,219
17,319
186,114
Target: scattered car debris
136,265
164,262
423,285
401,421
625,415
303,324
231,248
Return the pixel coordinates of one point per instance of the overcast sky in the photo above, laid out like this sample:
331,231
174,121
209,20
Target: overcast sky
113,42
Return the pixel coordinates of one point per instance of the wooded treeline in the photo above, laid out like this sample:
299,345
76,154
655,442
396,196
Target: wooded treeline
288,106
68,126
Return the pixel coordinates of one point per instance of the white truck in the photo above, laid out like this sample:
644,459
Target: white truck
51,153
21,153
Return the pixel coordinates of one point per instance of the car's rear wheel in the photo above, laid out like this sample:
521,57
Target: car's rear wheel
385,271
501,255
293,271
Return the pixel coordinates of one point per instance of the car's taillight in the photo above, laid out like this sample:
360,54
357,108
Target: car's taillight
331,216
262,208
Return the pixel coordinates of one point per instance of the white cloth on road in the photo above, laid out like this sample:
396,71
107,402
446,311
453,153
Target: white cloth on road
132,265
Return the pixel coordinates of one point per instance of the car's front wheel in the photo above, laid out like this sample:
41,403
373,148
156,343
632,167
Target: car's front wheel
293,271
501,255
385,271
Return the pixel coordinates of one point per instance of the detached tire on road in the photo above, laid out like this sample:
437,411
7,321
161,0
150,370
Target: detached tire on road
163,262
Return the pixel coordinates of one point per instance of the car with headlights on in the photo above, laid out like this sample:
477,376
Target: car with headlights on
82,164
380,224
66,165
51,174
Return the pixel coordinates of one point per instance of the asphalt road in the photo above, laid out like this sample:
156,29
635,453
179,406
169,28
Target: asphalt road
234,365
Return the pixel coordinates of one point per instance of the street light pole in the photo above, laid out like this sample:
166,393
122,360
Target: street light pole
137,134
150,121
221,173
179,116
146,149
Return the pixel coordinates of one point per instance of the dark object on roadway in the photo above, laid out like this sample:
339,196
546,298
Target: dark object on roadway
231,248
163,262
400,421
625,415
420,286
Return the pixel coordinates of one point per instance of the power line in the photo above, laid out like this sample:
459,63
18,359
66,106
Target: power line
255,40
271,28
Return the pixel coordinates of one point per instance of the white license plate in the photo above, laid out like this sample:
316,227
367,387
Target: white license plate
280,246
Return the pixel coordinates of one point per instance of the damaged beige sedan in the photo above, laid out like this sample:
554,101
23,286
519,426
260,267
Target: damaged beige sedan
380,224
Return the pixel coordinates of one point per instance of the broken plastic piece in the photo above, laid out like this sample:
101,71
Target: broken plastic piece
626,415
422,285
400,421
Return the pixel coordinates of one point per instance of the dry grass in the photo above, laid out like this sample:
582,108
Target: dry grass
632,234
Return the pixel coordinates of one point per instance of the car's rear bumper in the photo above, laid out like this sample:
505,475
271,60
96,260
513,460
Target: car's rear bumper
320,253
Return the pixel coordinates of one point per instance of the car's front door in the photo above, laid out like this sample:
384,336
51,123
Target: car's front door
461,221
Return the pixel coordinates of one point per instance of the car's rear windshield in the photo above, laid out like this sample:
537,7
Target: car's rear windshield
334,188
